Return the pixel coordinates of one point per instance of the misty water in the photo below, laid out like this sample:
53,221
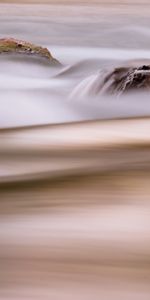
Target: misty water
74,167
85,41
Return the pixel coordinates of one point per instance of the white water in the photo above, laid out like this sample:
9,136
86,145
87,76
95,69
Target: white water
85,42
33,94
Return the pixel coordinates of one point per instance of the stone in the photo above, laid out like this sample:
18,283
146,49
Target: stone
126,79
14,46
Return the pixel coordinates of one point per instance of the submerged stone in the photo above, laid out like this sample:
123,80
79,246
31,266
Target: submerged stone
133,76
14,46
126,79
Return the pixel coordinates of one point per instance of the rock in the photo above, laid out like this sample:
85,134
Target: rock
14,46
133,76
126,79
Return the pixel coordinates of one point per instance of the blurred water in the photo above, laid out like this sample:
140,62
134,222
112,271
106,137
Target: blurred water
85,40
74,171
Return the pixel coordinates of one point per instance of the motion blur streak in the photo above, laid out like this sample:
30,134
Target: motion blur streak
74,173
75,212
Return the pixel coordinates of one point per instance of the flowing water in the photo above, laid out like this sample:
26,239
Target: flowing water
74,168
